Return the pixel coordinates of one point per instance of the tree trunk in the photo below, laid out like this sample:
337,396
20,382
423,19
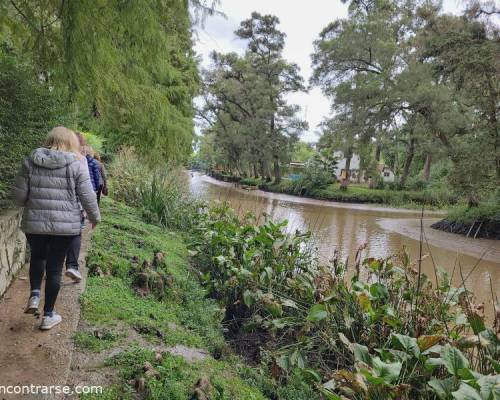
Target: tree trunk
409,159
345,181
262,169
277,171
378,150
255,173
427,167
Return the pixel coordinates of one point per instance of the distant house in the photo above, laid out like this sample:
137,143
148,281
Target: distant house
355,175
386,173
296,164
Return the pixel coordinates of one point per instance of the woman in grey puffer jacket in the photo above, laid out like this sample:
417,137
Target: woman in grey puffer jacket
51,185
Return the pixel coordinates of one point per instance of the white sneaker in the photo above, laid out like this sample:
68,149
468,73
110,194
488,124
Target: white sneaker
32,306
50,322
74,274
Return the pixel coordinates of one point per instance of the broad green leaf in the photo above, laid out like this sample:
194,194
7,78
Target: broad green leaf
443,387
372,379
465,392
284,362
248,298
489,387
329,395
317,313
388,371
361,353
274,309
436,350
433,363
495,364
297,359
406,343
379,291
453,359
365,302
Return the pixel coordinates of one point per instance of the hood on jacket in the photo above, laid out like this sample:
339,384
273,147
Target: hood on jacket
52,159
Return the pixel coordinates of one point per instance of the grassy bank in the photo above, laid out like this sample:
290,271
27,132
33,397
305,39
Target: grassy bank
482,221
264,316
353,194
142,300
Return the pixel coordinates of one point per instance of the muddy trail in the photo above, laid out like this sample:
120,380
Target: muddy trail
29,356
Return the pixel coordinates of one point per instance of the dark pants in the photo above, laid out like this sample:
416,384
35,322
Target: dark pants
74,249
47,254
99,193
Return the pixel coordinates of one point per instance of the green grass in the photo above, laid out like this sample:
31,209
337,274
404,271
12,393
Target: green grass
252,181
183,316
362,194
88,341
489,211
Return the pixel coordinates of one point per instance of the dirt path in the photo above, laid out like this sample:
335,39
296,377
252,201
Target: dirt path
29,356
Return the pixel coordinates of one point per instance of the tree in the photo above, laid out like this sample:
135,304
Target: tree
265,48
127,69
464,52
27,112
244,103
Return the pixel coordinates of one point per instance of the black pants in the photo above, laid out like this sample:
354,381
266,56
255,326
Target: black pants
98,194
74,249
47,255
74,252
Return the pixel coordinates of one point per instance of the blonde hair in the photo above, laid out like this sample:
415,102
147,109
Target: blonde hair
89,150
63,139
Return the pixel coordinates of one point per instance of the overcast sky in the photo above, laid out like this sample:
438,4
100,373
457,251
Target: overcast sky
301,21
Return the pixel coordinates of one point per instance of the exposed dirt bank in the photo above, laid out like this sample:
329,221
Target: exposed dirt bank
487,229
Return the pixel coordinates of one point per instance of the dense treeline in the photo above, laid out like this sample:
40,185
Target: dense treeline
125,70
402,73
411,88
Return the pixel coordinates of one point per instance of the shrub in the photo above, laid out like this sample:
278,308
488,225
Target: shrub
389,335
28,110
156,191
312,178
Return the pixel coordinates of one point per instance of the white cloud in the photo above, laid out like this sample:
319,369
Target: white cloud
301,21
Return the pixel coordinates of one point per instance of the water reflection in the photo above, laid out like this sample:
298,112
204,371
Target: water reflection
385,231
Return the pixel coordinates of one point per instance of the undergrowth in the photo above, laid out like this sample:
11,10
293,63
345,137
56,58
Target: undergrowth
113,307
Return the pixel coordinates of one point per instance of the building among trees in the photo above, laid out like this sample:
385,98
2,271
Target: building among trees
356,173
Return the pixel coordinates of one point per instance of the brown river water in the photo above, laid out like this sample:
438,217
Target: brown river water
385,231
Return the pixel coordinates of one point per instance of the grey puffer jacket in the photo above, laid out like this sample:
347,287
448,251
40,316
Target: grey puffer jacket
50,187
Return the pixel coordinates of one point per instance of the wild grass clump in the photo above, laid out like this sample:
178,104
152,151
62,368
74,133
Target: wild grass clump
250,181
157,191
386,333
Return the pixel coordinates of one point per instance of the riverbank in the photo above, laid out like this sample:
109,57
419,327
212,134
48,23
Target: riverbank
476,222
352,194
246,313
147,327
482,221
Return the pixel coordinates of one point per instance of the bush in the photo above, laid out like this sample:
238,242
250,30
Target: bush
312,178
251,181
28,110
390,335
156,191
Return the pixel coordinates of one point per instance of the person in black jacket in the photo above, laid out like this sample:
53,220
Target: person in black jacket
72,266
94,170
